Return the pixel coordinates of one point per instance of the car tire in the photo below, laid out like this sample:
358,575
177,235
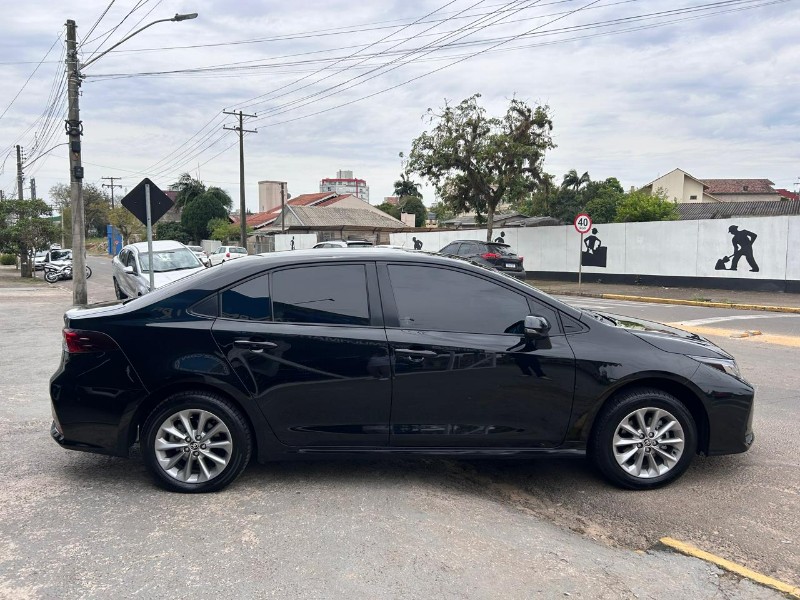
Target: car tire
88,271
205,463
633,446
118,291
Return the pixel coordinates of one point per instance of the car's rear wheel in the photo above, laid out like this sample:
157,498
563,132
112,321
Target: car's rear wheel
195,442
118,291
643,438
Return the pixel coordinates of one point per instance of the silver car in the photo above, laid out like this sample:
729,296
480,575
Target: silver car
130,269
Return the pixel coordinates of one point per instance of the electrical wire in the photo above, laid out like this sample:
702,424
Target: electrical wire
24,85
100,18
111,31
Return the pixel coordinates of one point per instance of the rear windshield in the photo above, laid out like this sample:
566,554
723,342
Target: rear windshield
501,249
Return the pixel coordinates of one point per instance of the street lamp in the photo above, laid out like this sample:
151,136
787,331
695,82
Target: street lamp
74,129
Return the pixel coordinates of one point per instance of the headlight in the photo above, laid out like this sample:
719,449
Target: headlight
725,365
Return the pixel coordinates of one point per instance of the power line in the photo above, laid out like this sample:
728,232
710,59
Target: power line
24,85
100,18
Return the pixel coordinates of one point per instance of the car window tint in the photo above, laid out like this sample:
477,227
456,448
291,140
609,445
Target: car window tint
330,294
248,301
450,248
436,299
467,249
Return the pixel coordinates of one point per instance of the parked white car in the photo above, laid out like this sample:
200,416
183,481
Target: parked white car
130,269
201,254
226,253
344,244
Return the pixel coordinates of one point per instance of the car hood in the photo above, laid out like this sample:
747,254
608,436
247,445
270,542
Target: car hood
169,276
668,338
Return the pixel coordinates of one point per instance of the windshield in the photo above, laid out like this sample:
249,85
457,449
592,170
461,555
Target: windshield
500,249
176,259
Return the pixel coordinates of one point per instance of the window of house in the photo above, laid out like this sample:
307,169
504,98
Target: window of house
693,197
436,299
329,294
744,188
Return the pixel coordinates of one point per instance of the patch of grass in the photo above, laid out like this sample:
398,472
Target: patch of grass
702,299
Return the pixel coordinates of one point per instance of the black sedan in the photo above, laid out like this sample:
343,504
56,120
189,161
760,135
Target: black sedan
491,254
379,351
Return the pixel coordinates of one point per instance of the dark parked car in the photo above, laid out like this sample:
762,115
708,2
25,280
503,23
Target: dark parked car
319,352
492,254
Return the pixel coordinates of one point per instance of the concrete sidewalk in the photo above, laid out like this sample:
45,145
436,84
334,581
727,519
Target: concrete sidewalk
777,301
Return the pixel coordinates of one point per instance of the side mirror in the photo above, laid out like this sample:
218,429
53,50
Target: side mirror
128,270
536,327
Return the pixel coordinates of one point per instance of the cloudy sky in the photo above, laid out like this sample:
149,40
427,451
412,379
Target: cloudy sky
636,87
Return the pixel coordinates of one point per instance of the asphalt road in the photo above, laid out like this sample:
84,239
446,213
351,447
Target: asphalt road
79,525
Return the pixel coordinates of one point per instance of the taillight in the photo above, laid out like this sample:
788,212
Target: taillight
78,341
489,255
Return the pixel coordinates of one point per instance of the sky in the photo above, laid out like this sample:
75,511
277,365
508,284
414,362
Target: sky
635,88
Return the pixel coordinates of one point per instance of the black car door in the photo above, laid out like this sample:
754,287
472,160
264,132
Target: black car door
308,344
465,375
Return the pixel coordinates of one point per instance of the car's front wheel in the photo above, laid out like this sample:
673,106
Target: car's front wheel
118,291
195,442
643,438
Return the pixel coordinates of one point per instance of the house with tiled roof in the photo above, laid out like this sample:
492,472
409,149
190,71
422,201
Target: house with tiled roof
742,190
787,195
681,187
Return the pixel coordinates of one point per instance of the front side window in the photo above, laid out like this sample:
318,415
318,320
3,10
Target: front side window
436,299
247,301
329,294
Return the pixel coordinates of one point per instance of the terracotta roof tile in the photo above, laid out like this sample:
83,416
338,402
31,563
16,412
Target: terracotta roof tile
739,186
692,211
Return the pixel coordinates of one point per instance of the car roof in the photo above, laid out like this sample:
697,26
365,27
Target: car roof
210,280
157,245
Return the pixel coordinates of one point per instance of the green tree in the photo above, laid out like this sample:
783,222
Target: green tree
197,214
602,198
24,226
413,204
224,231
220,196
96,204
390,209
172,230
474,160
188,189
442,212
574,181
405,187
638,205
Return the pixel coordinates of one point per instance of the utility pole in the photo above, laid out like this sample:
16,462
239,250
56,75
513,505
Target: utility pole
112,185
242,131
74,129
33,188
19,172
23,248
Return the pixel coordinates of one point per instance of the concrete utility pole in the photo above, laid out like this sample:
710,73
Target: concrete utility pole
112,185
242,208
74,129
33,188
23,249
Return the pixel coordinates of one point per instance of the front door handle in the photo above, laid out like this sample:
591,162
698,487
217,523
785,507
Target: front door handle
416,355
254,345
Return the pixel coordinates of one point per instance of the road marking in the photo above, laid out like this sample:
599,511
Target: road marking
767,338
734,318
742,571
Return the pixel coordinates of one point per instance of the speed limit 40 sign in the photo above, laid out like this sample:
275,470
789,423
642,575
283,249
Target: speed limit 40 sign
583,223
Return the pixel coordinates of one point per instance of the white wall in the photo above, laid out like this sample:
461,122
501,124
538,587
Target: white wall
283,241
670,248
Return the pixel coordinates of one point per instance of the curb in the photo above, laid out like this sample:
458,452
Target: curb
732,567
654,300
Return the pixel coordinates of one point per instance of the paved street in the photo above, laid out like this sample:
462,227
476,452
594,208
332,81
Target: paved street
78,525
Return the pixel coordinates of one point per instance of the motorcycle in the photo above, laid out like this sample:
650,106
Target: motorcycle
55,271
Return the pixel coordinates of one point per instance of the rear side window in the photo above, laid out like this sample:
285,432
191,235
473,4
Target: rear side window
329,294
451,248
248,301
436,299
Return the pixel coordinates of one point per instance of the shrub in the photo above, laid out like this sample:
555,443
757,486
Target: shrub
8,259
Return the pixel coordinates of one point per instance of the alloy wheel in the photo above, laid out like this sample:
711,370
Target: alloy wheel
193,446
648,442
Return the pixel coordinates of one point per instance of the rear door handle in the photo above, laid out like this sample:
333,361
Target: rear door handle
419,354
254,346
